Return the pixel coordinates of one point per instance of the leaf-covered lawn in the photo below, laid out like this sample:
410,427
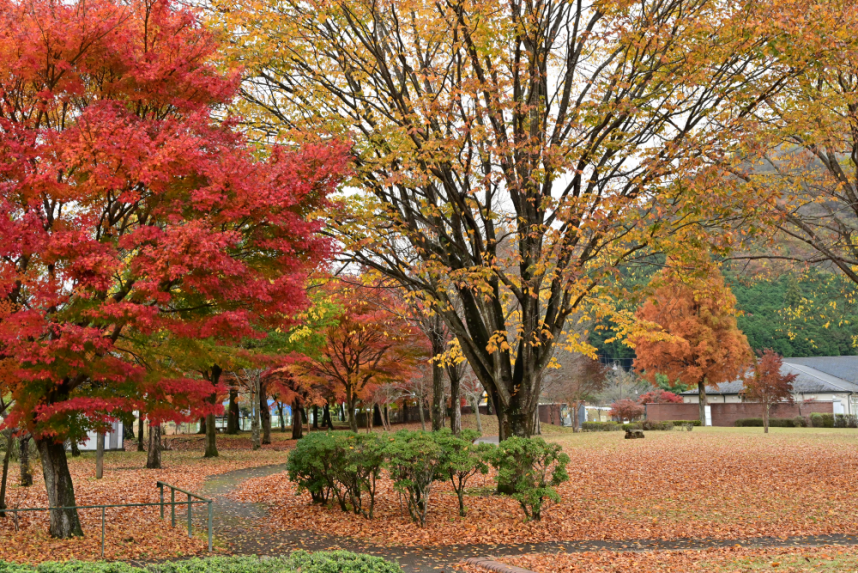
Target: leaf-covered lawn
131,533
730,560
715,482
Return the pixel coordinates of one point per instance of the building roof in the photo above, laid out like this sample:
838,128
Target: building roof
809,380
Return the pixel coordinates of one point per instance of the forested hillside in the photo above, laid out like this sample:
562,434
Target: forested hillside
809,314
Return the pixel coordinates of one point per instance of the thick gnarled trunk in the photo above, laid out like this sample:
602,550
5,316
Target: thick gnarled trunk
64,523
297,424
153,456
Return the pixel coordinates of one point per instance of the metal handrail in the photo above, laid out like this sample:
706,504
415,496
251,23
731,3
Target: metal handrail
160,485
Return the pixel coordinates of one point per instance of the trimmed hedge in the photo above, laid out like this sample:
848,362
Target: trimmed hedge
601,426
815,420
299,561
686,422
648,425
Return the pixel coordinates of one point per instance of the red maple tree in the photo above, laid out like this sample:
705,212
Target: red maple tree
659,396
371,344
767,385
125,208
626,409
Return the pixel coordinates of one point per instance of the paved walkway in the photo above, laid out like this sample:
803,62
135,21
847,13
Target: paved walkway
238,523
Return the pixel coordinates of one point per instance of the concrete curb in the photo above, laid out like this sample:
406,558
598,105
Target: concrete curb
490,565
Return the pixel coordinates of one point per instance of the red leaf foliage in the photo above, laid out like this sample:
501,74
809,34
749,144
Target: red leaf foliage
125,208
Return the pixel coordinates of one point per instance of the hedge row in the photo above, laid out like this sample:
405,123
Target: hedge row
815,420
645,425
299,561
344,468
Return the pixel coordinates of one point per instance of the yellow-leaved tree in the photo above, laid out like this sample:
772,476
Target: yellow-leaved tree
509,156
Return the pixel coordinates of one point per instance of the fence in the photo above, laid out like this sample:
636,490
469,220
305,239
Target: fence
161,485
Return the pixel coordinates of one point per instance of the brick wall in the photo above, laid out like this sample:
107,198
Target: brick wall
662,412
727,414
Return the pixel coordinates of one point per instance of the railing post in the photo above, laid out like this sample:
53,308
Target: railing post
161,487
102,532
172,507
189,515
210,526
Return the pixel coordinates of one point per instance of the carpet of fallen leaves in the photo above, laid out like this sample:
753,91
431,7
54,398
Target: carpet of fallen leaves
727,483
723,560
131,533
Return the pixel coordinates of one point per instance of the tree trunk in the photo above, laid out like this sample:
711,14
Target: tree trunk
437,376
140,447
254,412
326,417
280,415
701,387
99,455
264,412
422,415
202,429
297,426
351,413
65,523
26,470
765,418
153,457
211,434
315,417
10,443
575,424
75,451
376,415
455,401
232,412
476,402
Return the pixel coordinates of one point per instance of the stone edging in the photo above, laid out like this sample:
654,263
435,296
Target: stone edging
489,565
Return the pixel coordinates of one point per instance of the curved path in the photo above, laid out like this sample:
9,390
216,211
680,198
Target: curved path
238,524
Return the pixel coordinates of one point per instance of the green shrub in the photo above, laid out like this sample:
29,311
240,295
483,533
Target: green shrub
631,426
648,425
828,420
360,458
343,464
297,562
340,562
800,422
530,468
600,426
413,460
312,465
461,459
686,422
816,420
773,423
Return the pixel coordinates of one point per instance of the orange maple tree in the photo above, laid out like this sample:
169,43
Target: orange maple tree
690,332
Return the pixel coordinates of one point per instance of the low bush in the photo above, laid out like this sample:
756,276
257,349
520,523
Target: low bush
530,469
773,423
414,461
816,420
342,465
601,426
297,562
800,422
648,425
845,421
686,422
461,459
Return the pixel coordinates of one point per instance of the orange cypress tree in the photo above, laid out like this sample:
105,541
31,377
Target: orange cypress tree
690,332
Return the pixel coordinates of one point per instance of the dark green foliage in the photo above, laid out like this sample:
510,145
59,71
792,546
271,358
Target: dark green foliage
773,422
601,427
648,425
845,421
793,314
461,459
816,420
297,562
530,468
413,460
799,422
828,420
343,464
686,422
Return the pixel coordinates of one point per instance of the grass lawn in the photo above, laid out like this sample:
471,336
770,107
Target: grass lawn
728,483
